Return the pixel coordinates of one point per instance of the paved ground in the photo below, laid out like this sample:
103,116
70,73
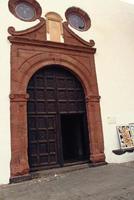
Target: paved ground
109,182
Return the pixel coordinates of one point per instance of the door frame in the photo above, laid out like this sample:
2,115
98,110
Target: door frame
29,54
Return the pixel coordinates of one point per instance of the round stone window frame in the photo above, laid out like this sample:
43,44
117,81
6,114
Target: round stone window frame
34,4
80,13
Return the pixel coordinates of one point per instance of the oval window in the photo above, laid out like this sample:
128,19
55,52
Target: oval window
25,11
78,19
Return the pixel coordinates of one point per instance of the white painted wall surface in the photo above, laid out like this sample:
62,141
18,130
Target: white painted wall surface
113,32
4,97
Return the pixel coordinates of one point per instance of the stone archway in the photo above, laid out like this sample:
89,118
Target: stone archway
28,56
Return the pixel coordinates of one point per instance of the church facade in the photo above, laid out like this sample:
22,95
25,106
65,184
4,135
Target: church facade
66,82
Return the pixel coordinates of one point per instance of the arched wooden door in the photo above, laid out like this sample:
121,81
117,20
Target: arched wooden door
57,127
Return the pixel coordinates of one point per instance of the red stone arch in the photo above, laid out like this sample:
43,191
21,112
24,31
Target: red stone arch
19,162
27,57
29,68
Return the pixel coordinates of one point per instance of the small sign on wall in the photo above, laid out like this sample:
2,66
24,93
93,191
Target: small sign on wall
131,125
126,135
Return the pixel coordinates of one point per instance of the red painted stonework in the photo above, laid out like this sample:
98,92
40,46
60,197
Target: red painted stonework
29,52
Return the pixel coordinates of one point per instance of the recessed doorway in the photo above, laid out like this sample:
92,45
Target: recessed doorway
74,138
57,127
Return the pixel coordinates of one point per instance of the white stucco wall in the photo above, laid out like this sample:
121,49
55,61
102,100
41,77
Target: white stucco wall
4,100
113,31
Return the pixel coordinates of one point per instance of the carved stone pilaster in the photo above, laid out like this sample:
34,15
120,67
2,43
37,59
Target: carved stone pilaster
19,143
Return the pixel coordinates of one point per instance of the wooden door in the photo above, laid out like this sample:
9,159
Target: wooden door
53,91
42,121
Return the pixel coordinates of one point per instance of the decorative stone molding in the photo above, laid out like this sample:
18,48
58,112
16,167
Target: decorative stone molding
92,99
71,38
19,97
13,32
30,51
29,33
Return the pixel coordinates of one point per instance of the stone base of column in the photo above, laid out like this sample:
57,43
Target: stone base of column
97,158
